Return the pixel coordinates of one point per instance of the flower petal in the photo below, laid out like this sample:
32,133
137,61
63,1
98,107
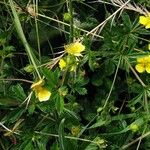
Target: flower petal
141,60
43,94
147,68
143,20
147,26
140,68
75,48
147,59
62,64
38,84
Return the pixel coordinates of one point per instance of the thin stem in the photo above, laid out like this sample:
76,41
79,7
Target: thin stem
22,37
11,79
136,75
2,145
112,83
66,24
111,16
7,129
1,72
138,146
37,30
146,101
136,140
71,21
67,137
81,132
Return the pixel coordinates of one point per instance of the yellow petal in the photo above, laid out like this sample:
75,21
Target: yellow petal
147,68
75,48
62,64
141,60
43,94
143,20
147,26
140,68
147,59
38,84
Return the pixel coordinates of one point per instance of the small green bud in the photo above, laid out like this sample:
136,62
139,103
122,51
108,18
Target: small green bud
134,127
29,68
63,91
99,109
67,17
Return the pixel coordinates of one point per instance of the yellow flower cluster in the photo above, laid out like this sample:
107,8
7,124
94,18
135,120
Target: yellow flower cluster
74,49
63,65
143,64
41,93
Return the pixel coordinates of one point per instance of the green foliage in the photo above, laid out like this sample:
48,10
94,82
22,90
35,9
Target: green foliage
97,97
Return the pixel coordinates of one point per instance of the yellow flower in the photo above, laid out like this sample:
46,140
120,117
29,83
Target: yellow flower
145,20
75,48
62,64
143,64
41,93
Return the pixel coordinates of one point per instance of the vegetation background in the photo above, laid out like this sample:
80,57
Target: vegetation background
74,74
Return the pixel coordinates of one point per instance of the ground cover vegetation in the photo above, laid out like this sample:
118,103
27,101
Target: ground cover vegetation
74,74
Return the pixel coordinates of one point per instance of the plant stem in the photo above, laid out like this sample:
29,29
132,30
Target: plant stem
112,83
71,22
136,140
67,137
37,29
136,75
22,37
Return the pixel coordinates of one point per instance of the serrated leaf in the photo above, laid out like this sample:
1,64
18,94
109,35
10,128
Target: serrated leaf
27,145
14,115
52,77
59,103
81,90
18,92
61,135
99,123
8,102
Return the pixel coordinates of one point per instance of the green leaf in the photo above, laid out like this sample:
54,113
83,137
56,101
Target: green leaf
18,92
14,115
27,145
99,123
126,20
41,145
31,109
8,102
47,107
97,79
51,76
59,103
71,113
54,147
109,67
61,135
81,90
135,100
92,146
